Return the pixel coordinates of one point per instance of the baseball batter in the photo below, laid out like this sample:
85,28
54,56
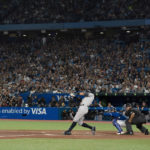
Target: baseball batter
82,111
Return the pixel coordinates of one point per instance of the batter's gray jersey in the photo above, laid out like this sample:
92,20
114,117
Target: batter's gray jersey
83,109
87,101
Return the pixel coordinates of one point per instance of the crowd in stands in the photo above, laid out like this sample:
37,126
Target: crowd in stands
52,11
61,65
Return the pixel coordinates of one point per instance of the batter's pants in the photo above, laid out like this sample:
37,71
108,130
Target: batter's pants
79,117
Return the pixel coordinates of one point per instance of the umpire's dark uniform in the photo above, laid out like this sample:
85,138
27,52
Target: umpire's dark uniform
138,120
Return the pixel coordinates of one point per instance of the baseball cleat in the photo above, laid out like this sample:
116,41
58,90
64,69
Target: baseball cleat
146,132
67,133
120,133
93,130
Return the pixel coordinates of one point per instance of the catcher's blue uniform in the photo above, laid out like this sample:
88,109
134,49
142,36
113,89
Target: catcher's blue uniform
117,116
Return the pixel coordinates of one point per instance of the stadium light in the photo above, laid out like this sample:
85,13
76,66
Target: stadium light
124,28
101,32
128,31
83,30
5,32
43,31
64,30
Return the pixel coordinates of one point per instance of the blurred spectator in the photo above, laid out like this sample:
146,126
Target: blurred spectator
71,114
100,104
137,106
19,102
95,104
64,115
41,102
29,101
61,102
110,108
72,102
53,102
145,110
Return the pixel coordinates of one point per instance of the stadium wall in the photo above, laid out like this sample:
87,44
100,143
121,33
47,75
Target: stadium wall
38,113
75,25
34,113
46,96
51,113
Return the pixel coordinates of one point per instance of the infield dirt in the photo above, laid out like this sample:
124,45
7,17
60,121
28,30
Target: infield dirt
76,134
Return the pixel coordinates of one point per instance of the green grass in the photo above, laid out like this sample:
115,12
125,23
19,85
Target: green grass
76,144
66,144
46,125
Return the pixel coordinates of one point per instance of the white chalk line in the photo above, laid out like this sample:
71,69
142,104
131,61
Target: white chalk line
26,135
46,134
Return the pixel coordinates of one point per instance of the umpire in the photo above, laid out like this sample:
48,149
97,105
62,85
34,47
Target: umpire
135,118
